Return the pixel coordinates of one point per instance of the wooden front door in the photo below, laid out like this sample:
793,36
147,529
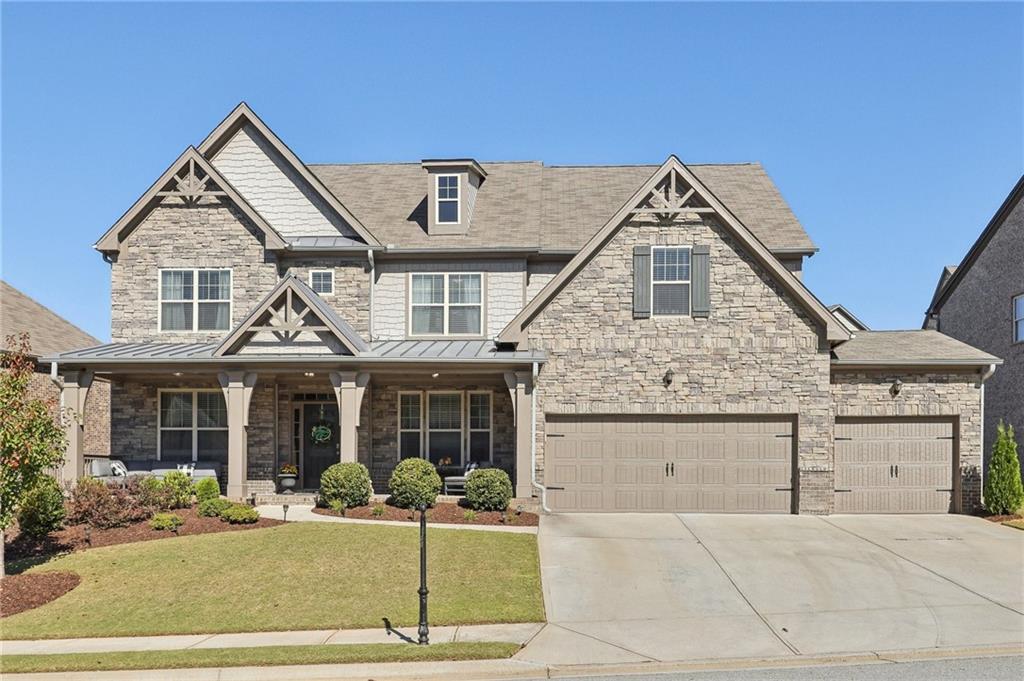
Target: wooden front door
320,433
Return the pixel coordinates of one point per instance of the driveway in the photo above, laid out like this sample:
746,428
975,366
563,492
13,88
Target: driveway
671,587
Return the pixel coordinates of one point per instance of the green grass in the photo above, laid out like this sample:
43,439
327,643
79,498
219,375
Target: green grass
294,576
245,657
1018,524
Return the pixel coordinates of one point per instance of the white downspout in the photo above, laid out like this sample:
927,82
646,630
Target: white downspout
985,375
373,266
533,444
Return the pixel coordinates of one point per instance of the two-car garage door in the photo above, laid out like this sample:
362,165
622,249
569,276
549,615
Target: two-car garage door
668,463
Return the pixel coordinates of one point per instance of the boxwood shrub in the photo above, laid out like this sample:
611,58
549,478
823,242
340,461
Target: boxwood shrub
212,508
346,483
488,489
42,510
413,483
166,521
240,514
206,488
179,486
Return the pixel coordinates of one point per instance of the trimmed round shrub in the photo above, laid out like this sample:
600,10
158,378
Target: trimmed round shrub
166,521
206,488
212,508
488,489
414,482
240,514
179,486
42,509
347,483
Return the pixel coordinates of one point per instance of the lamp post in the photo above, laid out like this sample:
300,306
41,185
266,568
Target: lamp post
423,631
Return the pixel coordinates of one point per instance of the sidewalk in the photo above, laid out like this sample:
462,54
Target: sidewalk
504,633
305,514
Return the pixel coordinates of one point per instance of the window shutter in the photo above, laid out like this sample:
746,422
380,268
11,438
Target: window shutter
641,282
701,277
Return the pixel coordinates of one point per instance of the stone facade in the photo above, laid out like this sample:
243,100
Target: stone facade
955,395
758,353
351,297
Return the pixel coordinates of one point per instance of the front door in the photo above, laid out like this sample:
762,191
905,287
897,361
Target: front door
319,442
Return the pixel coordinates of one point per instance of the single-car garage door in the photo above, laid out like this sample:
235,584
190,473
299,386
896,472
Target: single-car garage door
894,465
667,463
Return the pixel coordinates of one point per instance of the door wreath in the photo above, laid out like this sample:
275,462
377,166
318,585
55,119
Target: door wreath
321,433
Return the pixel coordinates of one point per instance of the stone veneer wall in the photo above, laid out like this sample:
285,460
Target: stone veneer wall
351,297
175,236
757,353
955,395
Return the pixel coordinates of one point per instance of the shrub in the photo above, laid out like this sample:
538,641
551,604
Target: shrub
166,521
212,508
240,514
378,510
150,492
488,489
348,483
42,508
100,505
469,516
413,483
338,506
1003,490
179,486
206,488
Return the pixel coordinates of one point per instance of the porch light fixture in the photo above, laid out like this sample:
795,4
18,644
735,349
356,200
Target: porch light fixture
309,374
284,509
667,378
435,375
177,373
897,386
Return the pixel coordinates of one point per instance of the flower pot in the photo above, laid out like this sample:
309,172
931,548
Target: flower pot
287,483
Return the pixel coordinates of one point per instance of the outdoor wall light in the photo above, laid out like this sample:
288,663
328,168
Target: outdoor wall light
177,373
667,378
434,375
309,374
896,387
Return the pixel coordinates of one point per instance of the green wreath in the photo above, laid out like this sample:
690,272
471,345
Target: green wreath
320,434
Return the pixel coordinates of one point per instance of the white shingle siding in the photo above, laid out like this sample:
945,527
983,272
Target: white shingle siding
276,191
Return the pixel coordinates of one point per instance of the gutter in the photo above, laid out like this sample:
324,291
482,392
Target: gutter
533,444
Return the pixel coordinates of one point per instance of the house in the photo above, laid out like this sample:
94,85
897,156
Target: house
847,319
50,334
981,302
617,338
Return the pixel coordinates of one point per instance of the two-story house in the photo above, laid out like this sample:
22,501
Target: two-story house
618,338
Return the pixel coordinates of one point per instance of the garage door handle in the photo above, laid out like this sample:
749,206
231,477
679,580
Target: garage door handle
554,488
948,489
555,435
783,489
892,472
666,470
897,470
838,490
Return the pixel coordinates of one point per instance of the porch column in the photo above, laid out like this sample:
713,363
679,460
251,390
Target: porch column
520,388
74,391
349,388
237,387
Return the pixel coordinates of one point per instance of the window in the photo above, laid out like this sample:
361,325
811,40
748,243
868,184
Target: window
455,427
446,304
1018,319
322,281
479,427
410,425
448,199
670,280
195,300
444,427
193,426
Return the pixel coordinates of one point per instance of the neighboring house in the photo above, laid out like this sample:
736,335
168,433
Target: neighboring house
981,302
627,338
50,334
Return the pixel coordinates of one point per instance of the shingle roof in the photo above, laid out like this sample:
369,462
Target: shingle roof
49,333
924,347
575,201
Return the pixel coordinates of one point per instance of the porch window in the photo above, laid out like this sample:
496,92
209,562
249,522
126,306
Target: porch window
193,426
670,280
455,425
446,304
410,426
195,300
479,427
444,427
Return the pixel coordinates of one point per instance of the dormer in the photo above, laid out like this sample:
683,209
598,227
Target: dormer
452,185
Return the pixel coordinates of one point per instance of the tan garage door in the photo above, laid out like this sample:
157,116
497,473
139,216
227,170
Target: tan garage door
894,466
650,463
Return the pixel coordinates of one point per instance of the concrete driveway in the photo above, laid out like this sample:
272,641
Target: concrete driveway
672,587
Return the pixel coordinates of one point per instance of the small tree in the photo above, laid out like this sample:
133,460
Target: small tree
1003,490
31,439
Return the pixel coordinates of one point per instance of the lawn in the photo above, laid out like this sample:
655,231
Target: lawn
294,576
244,657
1019,524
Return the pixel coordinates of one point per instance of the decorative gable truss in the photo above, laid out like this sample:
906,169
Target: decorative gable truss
292,320
189,182
672,197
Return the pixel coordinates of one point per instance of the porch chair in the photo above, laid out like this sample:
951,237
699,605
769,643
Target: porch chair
456,484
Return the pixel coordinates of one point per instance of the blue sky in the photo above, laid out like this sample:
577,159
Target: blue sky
893,130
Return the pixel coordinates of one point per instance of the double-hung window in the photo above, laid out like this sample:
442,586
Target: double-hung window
410,425
195,300
193,426
1018,319
454,427
448,199
479,427
670,280
322,281
446,305
444,427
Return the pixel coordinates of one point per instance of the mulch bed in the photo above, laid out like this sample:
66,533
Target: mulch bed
444,513
73,538
1003,518
19,593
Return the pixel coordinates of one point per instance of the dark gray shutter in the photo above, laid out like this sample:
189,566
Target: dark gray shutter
641,282
700,277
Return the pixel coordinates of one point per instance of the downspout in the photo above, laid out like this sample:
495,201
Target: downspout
57,382
985,375
533,445
369,257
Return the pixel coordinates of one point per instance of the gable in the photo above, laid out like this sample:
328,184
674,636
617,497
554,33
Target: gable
671,193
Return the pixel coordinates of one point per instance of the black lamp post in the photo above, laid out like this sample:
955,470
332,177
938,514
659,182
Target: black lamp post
424,631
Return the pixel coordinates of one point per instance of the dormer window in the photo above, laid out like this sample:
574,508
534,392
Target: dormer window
448,199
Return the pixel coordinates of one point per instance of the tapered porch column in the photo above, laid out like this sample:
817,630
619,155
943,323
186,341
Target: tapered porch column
74,391
349,387
520,388
237,387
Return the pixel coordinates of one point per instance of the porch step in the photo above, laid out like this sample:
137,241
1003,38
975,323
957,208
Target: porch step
297,499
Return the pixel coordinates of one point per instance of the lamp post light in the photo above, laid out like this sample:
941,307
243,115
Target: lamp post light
424,630
284,508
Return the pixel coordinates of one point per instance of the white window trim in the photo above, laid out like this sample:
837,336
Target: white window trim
490,424
401,430
1015,318
195,428
446,305
322,271
458,199
424,430
195,298
674,281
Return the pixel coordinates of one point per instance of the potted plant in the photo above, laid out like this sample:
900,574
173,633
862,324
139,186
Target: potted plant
287,478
